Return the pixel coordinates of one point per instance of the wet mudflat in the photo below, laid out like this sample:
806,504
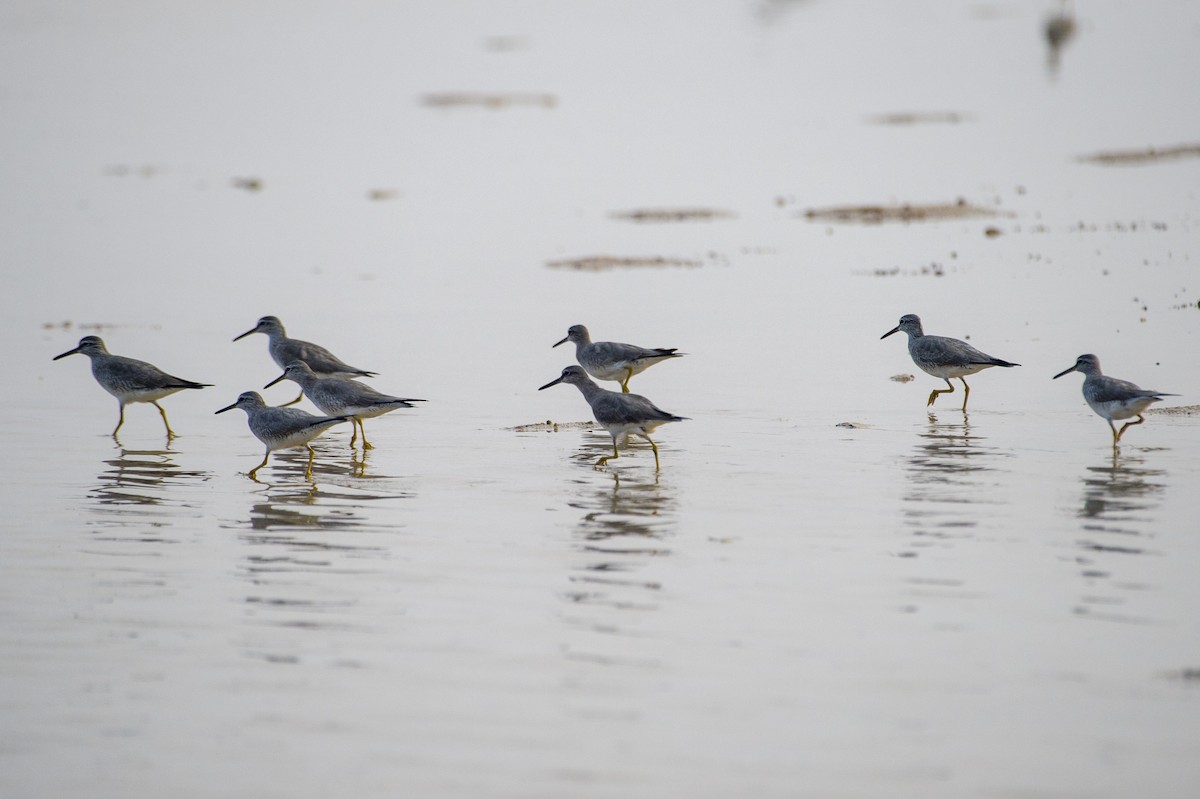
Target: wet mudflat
829,589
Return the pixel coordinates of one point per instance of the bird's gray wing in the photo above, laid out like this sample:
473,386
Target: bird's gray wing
614,408
615,352
949,352
130,373
1111,389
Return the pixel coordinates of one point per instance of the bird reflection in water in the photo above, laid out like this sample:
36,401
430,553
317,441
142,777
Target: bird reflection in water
307,552
1119,497
306,505
139,497
623,532
947,471
631,511
1117,494
142,478
292,465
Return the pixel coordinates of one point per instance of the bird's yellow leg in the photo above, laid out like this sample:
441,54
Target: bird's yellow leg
1125,427
933,395
354,431
625,382
293,402
654,447
966,392
366,444
170,432
254,471
312,453
608,458
120,419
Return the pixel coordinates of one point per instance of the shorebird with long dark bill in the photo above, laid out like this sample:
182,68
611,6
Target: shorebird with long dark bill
611,360
281,428
130,380
620,414
284,350
1111,398
340,396
943,357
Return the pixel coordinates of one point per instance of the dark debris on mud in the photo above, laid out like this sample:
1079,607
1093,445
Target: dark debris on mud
603,263
550,426
1150,155
904,212
1177,410
662,215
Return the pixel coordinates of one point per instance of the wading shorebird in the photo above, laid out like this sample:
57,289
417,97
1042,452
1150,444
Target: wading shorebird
282,428
610,360
618,413
130,380
943,357
1111,398
284,350
339,396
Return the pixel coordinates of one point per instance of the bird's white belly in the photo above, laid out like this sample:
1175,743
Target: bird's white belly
292,440
621,432
1120,409
610,370
366,411
128,395
945,372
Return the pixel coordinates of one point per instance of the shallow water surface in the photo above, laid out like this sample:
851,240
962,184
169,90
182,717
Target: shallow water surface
829,589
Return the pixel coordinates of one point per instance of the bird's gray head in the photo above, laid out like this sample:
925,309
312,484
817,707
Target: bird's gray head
88,345
910,323
576,334
247,401
295,370
573,375
1085,364
268,324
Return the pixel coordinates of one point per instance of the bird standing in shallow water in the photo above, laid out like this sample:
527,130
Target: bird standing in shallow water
618,413
339,396
130,380
1111,398
282,428
284,350
609,360
943,357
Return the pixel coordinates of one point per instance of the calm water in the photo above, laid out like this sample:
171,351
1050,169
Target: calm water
826,591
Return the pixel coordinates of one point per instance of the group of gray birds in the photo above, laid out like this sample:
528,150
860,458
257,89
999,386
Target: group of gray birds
332,386
619,412
943,357
327,381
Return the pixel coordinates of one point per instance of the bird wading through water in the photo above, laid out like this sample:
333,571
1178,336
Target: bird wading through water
130,380
943,357
1111,398
281,428
610,360
618,413
339,396
284,350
